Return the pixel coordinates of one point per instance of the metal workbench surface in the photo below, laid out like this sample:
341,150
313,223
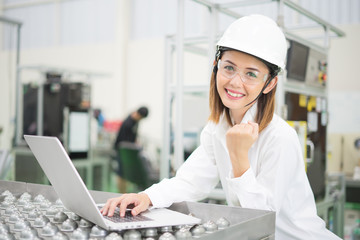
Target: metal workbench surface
245,223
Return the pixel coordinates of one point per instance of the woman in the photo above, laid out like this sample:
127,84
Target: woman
253,152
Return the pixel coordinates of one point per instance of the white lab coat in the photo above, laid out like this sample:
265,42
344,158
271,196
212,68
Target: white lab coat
276,179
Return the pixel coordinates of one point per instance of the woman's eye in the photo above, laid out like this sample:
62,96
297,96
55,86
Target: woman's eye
229,68
252,74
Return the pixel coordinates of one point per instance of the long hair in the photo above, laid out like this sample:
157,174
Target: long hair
266,102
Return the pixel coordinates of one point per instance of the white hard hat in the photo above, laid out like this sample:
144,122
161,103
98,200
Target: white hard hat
257,35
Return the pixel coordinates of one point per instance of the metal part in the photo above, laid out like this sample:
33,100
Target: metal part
28,234
68,225
25,196
132,235
39,199
150,232
98,232
59,236
49,230
41,221
113,236
7,236
198,230
51,211
85,223
210,226
13,218
20,226
166,229
79,234
33,214
167,236
222,223
28,207
4,228
183,233
74,216
60,217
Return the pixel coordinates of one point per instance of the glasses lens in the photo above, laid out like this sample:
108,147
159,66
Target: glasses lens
247,76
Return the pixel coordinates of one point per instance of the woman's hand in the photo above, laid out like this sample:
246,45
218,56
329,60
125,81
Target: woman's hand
239,139
141,202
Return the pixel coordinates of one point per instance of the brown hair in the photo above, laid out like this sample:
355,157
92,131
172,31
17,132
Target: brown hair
265,108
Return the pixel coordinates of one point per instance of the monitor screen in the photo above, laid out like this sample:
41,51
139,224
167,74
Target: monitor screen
297,61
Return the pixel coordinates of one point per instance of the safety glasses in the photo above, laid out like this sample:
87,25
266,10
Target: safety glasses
247,76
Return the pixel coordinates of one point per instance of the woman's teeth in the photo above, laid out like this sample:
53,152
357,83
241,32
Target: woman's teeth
234,94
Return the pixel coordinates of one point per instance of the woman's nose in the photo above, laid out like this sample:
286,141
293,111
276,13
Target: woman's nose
236,81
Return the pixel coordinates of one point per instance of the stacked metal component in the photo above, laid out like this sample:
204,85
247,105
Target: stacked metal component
27,217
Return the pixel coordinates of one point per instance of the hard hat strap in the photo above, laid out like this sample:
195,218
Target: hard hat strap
261,92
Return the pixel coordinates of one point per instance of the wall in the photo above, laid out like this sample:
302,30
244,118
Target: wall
145,78
344,99
344,82
7,98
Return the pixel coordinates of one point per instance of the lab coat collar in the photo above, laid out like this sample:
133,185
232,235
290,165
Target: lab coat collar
250,114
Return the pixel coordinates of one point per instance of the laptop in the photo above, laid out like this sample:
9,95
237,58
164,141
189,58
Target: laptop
72,191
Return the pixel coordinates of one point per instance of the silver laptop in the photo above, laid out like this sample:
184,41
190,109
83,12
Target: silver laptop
72,191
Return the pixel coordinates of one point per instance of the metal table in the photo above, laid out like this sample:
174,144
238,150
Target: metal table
245,223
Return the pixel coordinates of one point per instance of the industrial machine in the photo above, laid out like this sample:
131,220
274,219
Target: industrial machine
53,106
305,100
65,112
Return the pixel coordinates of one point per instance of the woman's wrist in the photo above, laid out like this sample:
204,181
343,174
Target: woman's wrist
146,197
240,170
240,163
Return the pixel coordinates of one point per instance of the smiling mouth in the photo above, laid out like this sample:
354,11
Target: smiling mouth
235,95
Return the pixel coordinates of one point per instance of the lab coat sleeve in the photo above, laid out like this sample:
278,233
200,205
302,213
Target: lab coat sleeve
193,181
280,164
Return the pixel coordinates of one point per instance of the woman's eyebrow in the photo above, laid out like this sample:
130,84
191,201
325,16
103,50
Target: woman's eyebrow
230,62
253,69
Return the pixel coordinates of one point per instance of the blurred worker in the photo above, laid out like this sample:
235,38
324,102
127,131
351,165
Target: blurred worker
128,133
99,117
253,152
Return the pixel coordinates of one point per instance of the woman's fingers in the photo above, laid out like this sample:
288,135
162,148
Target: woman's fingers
123,205
143,204
140,201
110,206
255,126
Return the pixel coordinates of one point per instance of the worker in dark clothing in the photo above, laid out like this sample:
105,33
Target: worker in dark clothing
128,133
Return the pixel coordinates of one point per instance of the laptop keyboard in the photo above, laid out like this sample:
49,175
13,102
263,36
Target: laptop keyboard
127,218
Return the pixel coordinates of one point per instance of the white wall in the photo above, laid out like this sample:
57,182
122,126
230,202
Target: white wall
144,85
344,99
344,82
7,98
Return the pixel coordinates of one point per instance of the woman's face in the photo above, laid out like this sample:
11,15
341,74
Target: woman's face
240,78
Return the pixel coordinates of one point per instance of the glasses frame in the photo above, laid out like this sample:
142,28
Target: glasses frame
240,73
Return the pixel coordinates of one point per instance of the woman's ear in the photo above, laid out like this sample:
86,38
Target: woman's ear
271,85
